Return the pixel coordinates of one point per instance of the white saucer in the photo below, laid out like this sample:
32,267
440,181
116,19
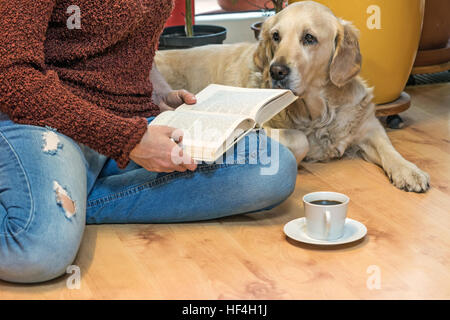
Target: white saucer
353,230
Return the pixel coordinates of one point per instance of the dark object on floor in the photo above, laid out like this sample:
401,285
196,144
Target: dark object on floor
420,79
411,81
394,122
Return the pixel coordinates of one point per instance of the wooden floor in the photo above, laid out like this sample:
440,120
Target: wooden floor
248,257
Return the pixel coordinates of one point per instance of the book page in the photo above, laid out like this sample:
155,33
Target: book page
204,130
269,110
232,100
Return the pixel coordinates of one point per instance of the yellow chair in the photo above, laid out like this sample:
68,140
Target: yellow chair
389,38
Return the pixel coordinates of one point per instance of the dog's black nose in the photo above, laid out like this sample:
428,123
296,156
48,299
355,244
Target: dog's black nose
279,71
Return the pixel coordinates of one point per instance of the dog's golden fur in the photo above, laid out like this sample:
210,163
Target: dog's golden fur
334,114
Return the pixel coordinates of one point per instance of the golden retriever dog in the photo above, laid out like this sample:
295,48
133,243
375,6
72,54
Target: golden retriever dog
316,55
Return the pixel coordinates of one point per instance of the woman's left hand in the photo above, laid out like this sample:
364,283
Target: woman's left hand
174,99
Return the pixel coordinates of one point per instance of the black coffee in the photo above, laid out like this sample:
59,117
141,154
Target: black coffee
326,202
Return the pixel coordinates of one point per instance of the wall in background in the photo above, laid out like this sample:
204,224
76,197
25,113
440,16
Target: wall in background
237,24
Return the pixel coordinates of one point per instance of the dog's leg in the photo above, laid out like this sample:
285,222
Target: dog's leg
377,148
293,139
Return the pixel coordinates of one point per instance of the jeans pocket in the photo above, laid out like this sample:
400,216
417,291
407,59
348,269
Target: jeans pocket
16,205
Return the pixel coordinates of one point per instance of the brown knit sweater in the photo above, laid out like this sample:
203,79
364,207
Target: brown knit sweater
91,84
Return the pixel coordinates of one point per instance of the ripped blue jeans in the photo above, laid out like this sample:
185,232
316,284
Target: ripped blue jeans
51,187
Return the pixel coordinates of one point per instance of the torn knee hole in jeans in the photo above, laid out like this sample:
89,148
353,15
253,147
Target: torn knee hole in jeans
63,199
51,142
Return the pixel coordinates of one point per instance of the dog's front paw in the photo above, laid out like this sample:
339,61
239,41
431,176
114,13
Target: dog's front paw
409,178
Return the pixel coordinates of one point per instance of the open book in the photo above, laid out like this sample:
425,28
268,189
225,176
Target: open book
222,116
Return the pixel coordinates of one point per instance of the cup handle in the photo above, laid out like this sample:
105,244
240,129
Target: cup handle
327,222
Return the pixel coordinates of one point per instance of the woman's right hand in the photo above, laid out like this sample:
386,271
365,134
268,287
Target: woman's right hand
157,151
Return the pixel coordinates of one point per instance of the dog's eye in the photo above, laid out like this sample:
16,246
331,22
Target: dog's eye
276,36
309,39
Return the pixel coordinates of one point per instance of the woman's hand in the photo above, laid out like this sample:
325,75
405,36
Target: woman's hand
159,153
173,99
164,96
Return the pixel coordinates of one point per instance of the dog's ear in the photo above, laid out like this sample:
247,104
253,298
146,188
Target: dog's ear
346,62
264,53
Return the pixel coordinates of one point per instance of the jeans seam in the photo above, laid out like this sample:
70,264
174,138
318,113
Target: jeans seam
149,184
27,180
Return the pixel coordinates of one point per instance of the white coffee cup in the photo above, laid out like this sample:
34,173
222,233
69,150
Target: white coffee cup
325,222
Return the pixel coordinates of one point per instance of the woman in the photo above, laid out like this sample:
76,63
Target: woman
75,146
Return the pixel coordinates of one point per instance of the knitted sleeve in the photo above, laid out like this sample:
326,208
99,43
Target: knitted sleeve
30,94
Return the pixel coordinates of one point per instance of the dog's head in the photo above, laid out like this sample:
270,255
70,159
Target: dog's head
306,45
